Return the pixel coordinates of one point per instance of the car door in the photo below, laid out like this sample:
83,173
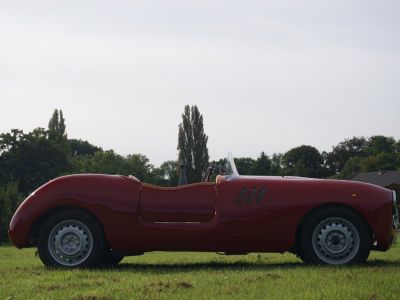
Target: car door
188,203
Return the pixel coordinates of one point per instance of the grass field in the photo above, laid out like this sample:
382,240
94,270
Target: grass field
162,275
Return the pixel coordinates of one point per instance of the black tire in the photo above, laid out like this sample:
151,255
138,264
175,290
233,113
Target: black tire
71,239
335,236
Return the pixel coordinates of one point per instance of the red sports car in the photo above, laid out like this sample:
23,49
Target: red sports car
89,219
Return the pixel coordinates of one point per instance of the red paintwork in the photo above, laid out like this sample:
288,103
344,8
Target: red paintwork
203,217
191,203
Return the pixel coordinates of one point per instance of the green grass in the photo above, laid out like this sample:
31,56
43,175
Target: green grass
167,275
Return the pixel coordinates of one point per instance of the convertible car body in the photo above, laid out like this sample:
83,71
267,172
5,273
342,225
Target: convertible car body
90,219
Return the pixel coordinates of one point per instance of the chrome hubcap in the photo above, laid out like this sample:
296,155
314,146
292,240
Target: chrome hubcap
70,243
335,241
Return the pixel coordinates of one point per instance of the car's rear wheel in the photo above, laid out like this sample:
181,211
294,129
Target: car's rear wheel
335,236
71,239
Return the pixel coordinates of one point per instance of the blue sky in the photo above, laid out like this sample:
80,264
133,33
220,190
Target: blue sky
267,75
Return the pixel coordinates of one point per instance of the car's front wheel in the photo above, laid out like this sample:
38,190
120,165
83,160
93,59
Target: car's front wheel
335,236
71,239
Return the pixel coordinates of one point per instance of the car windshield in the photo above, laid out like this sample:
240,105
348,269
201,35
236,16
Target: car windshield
230,166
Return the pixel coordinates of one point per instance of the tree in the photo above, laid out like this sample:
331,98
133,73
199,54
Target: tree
79,147
276,164
32,159
262,166
351,167
380,144
10,198
5,213
107,162
303,161
379,162
170,172
192,144
341,153
139,165
244,165
57,125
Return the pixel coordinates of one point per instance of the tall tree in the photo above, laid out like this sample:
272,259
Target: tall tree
192,143
53,122
61,124
57,124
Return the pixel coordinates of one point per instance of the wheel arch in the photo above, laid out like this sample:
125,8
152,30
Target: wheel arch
318,208
36,228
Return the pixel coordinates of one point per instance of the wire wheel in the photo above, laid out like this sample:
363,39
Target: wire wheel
70,243
335,241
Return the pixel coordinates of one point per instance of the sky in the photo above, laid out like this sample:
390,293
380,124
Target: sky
266,75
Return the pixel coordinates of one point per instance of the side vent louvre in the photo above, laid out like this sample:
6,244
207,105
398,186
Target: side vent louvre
251,195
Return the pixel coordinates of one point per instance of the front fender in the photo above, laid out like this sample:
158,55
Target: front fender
113,200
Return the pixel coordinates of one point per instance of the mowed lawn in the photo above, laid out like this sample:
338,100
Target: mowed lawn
163,275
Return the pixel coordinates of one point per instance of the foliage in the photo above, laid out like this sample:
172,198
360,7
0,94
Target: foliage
378,162
303,161
244,165
10,198
192,144
79,147
169,171
249,166
262,165
33,158
276,164
360,154
139,165
341,153
108,162
218,168
380,144
195,275
57,125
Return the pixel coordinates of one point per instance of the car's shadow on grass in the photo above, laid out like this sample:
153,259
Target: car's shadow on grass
240,265
187,267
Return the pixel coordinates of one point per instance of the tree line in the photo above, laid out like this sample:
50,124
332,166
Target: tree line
349,157
28,160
